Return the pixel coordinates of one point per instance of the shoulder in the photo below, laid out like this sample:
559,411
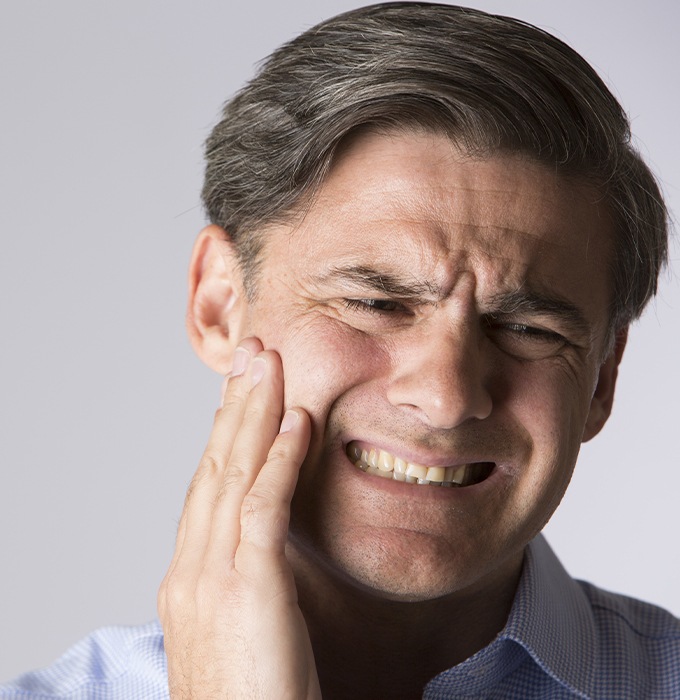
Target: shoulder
645,620
111,663
638,642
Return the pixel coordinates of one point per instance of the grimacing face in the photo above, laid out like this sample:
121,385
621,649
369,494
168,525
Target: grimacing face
448,311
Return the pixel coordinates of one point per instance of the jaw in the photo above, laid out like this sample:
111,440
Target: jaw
401,565
417,542
396,540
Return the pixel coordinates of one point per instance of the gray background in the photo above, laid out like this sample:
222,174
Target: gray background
104,409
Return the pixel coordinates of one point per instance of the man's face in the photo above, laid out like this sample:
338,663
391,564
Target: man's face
449,312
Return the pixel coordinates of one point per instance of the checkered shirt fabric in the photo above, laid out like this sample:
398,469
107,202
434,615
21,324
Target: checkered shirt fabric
563,639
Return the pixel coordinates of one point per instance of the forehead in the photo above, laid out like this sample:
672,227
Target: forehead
414,200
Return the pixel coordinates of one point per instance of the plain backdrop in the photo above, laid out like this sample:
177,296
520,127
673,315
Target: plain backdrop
104,408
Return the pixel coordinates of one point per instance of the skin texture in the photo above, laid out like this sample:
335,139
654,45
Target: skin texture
446,309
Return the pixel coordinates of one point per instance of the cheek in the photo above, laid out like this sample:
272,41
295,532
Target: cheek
552,407
322,359
551,401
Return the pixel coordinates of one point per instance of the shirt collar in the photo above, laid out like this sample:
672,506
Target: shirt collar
552,619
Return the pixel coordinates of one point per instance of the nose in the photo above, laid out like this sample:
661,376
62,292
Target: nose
441,376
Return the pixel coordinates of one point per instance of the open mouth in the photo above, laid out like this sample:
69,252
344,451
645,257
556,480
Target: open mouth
381,463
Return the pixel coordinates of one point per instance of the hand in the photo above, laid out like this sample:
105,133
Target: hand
228,603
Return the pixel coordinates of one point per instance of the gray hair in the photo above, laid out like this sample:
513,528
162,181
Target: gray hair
490,83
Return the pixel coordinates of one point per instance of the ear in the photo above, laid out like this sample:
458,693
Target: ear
603,397
217,306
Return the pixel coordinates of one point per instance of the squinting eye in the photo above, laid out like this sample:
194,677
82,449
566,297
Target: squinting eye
525,342
531,333
373,306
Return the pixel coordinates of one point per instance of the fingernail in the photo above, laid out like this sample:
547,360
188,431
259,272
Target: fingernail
241,358
289,420
257,370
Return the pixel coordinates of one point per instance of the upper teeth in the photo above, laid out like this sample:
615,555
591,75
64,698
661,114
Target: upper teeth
382,463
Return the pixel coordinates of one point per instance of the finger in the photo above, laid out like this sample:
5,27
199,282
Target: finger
256,435
199,503
179,541
265,514
261,419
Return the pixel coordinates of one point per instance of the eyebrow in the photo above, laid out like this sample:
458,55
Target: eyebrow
363,278
523,301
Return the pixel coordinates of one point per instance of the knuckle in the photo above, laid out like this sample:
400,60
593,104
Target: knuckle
209,468
174,596
233,477
205,592
254,507
211,465
182,606
265,513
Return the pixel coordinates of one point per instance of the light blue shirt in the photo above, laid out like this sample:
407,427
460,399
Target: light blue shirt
563,639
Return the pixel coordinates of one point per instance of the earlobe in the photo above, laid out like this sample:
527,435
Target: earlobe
603,397
216,304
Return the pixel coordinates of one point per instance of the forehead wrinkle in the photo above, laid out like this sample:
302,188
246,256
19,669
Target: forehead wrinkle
450,220
445,248
435,210
401,227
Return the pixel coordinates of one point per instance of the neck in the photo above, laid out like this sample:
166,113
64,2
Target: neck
367,646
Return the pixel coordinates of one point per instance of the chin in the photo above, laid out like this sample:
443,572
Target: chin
406,566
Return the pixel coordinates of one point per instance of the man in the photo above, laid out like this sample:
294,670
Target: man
429,236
